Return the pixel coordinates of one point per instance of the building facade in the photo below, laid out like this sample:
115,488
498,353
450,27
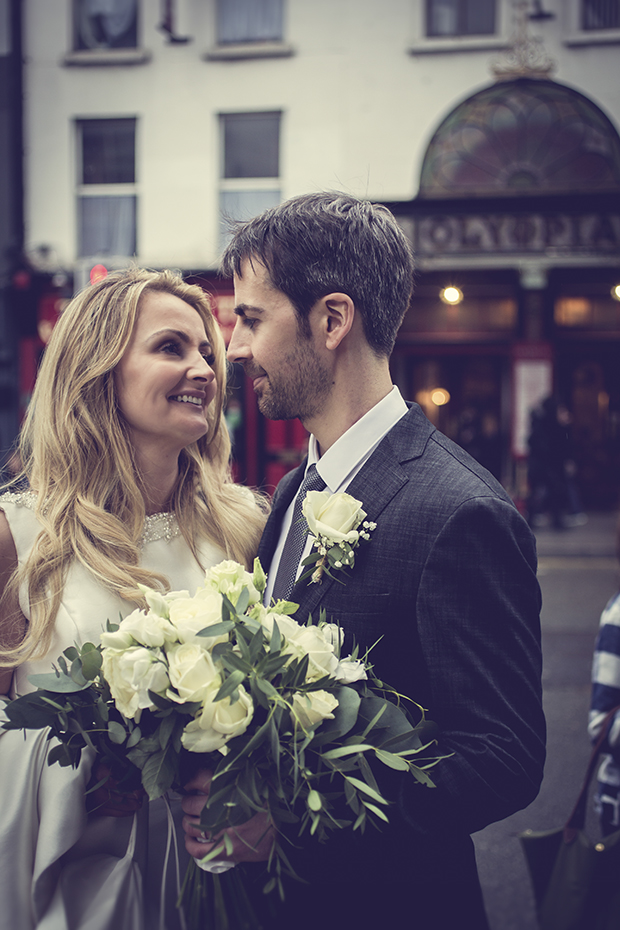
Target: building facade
490,128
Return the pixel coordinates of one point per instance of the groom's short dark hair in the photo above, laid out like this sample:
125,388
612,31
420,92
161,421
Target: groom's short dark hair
318,243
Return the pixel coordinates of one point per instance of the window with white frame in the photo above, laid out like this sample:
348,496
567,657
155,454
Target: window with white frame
600,14
106,190
250,165
460,17
240,21
102,24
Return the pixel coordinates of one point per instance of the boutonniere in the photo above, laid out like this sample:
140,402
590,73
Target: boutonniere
338,524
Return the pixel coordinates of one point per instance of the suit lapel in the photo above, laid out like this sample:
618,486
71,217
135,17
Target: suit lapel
376,484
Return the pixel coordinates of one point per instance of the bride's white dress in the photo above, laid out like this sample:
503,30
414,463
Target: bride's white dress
59,868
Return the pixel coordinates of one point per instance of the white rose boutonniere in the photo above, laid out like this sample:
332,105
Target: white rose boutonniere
338,524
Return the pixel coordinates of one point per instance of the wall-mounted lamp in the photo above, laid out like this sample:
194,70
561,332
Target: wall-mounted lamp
451,295
440,397
615,292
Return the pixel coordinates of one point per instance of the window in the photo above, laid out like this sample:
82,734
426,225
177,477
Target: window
106,187
600,14
101,24
460,17
249,21
250,165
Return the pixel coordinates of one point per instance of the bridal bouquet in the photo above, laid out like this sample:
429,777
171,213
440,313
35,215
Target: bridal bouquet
286,722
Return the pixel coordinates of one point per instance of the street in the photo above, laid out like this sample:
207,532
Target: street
578,573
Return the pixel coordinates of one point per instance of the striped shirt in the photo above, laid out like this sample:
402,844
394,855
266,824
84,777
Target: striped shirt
605,696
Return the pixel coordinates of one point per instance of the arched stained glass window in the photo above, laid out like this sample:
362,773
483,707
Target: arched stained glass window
522,137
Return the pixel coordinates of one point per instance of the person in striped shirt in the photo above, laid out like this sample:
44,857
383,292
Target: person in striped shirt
606,696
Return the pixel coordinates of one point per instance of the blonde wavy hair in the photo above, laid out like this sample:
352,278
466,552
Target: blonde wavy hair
78,458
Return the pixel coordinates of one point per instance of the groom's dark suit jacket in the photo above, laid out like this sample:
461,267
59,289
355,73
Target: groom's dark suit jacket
448,584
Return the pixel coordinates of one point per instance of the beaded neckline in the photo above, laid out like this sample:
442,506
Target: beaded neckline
159,526
156,526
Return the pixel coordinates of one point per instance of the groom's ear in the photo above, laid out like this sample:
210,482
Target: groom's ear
338,314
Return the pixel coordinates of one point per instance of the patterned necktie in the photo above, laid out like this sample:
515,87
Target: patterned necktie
296,539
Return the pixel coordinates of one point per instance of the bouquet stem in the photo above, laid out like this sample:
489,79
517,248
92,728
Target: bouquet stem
217,902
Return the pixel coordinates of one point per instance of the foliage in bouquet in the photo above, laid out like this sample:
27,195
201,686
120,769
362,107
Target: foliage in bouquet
286,724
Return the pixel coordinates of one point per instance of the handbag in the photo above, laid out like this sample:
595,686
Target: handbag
576,882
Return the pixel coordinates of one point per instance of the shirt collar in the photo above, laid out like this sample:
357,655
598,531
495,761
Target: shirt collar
343,460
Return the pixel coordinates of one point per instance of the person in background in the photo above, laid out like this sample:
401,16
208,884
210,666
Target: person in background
606,696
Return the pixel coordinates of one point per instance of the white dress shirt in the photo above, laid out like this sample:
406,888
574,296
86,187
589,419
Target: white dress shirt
342,461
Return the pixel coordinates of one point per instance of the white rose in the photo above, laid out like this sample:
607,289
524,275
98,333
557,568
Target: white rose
350,670
230,578
131,674
117,640
218,722
192,672
148,629
320,650
333,516
317,642
159,603
312,708
190,615
333,633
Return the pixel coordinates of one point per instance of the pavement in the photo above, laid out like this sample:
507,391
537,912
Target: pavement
578,573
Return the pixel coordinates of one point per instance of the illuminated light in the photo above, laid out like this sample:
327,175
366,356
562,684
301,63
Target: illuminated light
451,295
615,292
44,329
440,397
98,273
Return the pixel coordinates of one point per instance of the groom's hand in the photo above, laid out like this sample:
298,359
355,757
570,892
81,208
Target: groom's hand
251,841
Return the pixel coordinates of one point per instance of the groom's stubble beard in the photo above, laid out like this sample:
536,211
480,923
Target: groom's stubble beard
298,387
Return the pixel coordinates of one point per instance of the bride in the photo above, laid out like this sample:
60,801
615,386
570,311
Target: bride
125,455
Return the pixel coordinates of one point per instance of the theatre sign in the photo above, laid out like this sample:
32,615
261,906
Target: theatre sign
549,234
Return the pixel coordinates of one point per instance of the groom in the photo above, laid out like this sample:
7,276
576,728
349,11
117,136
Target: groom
446,586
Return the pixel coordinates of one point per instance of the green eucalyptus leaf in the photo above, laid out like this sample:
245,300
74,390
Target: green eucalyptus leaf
231,684
217,629
160,702
275,644
366,789
342,751
117,732
314,800
91,663
243,602
71,653
63,756
134,737
379,813
393,761
267,688
30,712
76,671
59,684
422,777
158,773
233,662
166,729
